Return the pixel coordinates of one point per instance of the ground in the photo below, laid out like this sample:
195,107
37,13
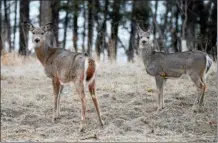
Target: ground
127,98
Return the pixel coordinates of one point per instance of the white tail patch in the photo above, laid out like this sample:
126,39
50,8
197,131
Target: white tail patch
209,62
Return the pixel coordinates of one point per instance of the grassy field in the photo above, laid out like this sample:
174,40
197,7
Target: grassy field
127,98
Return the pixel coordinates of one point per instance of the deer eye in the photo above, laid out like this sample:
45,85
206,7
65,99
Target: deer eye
148,37
42,33
33,32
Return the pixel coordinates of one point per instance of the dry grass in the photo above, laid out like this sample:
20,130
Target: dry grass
127,99
14,59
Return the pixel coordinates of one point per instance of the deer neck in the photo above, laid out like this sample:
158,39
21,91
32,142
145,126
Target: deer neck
146,54
42,53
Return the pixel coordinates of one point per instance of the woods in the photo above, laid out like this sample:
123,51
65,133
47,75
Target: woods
106,29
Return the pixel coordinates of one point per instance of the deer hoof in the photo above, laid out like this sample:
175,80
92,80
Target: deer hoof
102,124
196,108
160,108
54,119
82,129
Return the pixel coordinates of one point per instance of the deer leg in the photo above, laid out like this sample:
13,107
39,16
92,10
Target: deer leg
80,91
203,89
58,100
201,86
159,84
56,88
95,100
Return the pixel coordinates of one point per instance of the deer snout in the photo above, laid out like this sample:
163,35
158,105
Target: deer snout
37,40
143,42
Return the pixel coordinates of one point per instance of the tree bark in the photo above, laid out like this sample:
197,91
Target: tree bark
55,5
1,18
65,26
114,30
84,26
7,23
155,16
184,46
49,13
91,4
132,41
75,26
100,40
15,22
24,16
175,40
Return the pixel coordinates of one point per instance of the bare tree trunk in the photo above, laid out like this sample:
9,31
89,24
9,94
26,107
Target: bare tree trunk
84,27
100,40
24,16
55,18
0,18
184,46
75,26
45,12
155,16
15,22
175,39
49,12
7,23
114,30
91,4
132,41
1,28
1,45
65,26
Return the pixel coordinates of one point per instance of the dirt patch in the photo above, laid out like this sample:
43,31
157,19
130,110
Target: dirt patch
127,97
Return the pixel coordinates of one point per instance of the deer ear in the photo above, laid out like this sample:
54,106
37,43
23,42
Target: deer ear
139,30
150,30
28,26
48,27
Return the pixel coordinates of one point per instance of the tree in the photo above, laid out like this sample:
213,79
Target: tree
132,41
49,13
112,53
84,26
75,26
1,22
24,16
101,30
66,24
140,16
7,26
15,22
91,4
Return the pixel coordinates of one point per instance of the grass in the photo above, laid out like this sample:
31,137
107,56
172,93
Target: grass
127,97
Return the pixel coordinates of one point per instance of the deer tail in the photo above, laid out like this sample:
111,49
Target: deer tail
209,62
90,69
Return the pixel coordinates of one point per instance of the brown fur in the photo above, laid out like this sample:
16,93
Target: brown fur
64,66
91,69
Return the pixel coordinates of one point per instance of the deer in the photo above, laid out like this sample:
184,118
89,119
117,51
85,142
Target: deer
163,66
64,66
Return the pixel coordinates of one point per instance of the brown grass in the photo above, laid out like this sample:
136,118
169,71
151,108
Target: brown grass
14,59
127,98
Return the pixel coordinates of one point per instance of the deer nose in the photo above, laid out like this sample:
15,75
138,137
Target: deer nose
37,40
143,41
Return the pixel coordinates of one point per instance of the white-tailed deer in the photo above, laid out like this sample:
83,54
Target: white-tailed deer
64,66
172,65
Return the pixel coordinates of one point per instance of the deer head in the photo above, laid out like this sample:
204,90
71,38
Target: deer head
39,33
144,36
